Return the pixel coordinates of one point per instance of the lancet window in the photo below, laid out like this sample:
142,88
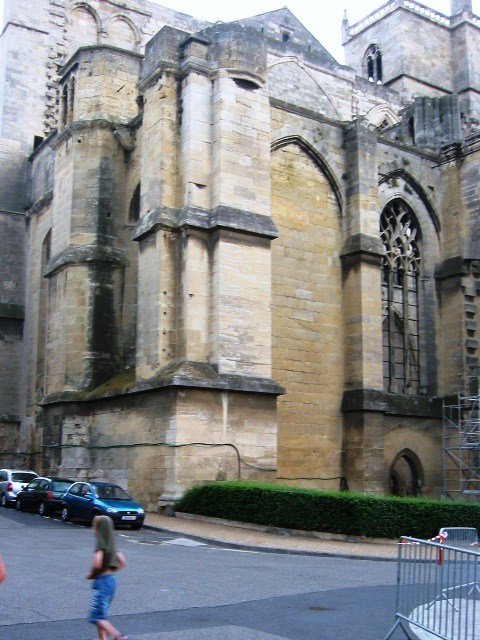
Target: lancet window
400,308
67,101
374,64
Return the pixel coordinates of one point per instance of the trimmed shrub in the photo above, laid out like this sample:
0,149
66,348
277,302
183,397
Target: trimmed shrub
328,511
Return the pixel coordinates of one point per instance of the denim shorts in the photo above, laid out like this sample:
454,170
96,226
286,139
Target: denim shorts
103,590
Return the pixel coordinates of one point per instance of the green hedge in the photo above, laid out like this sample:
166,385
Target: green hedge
329,511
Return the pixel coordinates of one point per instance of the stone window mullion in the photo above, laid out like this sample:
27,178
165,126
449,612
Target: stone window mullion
400,298
406,329
392,329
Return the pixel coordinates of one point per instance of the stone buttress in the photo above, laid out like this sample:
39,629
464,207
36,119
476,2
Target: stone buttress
204,245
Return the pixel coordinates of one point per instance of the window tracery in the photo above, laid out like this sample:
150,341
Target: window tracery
400,315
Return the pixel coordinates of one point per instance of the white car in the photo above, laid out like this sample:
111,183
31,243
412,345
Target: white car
11,482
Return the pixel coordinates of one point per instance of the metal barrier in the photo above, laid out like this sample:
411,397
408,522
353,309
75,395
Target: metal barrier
463,537
438,595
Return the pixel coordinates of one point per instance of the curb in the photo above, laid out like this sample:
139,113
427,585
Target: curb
282,531
272,530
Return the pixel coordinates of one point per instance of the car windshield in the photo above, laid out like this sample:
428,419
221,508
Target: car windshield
111,492
22,476
60,485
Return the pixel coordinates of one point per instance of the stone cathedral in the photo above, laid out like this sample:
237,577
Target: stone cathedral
223,254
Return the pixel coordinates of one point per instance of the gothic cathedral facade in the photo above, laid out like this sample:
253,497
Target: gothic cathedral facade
226,255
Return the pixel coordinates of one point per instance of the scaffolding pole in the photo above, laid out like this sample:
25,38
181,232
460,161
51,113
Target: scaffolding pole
461,448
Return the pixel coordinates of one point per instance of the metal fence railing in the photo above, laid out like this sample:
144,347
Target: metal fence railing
462,537
438,595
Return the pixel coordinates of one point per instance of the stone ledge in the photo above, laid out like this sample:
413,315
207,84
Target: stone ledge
40,204
87,254
221,217
362,248
451,268
194,375
15,311
9,418
365,400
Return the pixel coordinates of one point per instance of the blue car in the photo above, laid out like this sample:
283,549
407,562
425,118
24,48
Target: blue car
85,500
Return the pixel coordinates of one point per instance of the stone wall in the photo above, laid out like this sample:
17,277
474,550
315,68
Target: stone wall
160,442
203,238
12,314
306,325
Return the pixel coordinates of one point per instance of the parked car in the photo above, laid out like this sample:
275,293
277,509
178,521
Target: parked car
84,500
43,495
11,482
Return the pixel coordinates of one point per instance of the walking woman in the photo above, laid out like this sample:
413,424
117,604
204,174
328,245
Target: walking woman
106,560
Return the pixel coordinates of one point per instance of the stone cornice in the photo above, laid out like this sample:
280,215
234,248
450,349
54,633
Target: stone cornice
44,143
151,78
83,125
304,111
40,204
9,417
108,48
361,248
401,76
21,25
195,65
373,400
15,311
221,217
451,268
85,254
196,375
12,213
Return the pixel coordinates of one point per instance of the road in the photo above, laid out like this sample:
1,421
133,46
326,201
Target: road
179,589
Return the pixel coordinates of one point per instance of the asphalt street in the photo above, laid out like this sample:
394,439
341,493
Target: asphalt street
176,588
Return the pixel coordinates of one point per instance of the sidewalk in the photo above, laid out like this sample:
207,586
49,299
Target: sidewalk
273,540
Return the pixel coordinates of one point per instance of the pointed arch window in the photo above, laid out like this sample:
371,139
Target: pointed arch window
67,101
134,209
400,315
374,64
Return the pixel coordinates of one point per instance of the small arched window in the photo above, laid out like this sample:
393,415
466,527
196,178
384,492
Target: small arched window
400,274
374,64
64,105
71,101
134,209
67,101
411,129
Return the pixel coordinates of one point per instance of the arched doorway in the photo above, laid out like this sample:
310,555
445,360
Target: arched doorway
406,474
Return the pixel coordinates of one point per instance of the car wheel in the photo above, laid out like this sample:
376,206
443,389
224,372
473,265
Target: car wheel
42,509
65,514
18,505
4,501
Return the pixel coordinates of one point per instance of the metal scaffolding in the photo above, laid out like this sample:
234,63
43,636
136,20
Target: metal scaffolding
461,448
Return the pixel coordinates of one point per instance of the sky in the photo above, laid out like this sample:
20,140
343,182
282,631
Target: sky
323,18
